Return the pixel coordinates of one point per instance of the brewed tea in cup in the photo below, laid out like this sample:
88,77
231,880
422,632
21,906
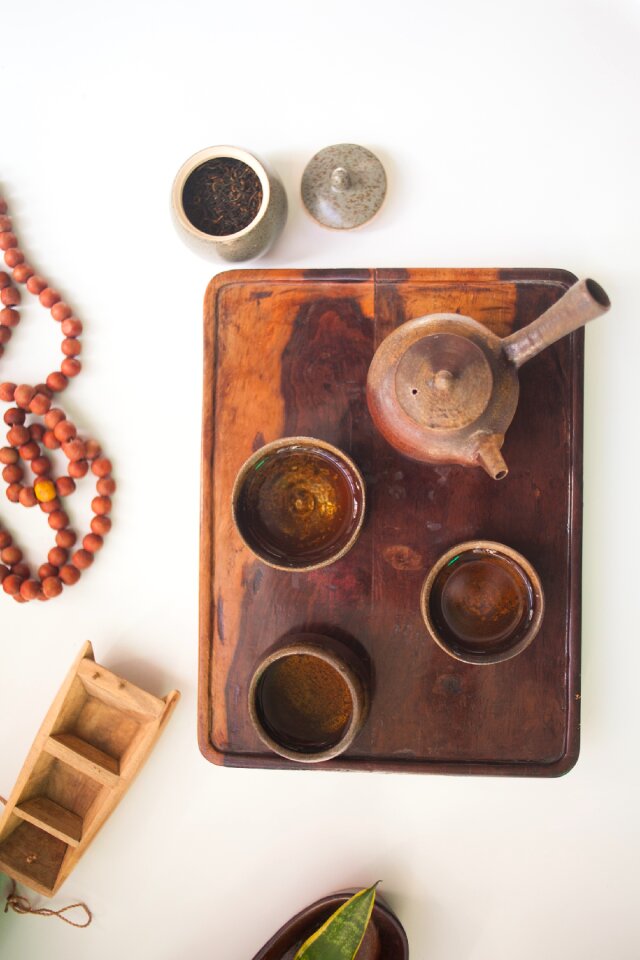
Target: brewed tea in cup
298,503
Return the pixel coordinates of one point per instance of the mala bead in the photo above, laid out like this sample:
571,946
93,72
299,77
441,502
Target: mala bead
68,574
50,441
8,455
12,584
29,451
40,404
93,449
45,490
53,418
78,469
36,285
82,559
105,486
5,334
47,570
21,570
11,555
22,272
36,432
58,520
57,381
5,222
65,486
50,506
7,391
23,395
71,367
74,450
28,497
9,318
5,539
12,474
14,416
49,297
57,557
10,296
65,539
13,257
101,526
71,347
64,430
101,467
8,240
92,542
30,589
41,466
4,572
101,505
18,435
52,587
60,311
13,492
71,327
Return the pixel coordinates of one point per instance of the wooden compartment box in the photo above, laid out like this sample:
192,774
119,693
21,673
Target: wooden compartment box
95,738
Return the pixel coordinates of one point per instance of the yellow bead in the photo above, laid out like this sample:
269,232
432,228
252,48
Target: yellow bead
45,490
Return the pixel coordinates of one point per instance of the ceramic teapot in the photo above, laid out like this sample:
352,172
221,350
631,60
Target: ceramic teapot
444,388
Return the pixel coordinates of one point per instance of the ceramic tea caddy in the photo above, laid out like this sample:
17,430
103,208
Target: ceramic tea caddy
255,237
444,389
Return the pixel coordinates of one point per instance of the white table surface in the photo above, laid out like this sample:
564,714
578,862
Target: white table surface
510,136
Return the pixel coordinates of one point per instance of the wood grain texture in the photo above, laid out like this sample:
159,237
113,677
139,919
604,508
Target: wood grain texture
287,353
82,761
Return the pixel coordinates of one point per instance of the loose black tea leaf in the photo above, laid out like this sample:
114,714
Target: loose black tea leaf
222,196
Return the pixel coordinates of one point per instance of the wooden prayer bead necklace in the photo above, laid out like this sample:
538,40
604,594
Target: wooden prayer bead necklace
55,432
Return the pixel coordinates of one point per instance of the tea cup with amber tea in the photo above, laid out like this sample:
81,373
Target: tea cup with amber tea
307,698
482,602
299,503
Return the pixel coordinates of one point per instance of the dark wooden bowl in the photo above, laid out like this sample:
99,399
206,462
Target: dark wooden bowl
385,938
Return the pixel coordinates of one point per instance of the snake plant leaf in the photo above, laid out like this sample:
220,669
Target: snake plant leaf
339,938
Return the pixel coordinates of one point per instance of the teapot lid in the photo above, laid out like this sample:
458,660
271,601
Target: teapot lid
443,381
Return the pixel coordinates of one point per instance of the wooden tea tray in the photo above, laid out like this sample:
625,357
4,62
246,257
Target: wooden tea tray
95,738
286,354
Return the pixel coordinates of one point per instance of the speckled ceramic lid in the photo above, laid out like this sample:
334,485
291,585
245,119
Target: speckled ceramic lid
343,186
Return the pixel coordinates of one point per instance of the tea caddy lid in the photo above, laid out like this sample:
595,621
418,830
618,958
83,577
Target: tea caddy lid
343,186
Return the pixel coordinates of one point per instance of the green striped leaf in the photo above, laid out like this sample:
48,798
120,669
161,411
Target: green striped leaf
339,938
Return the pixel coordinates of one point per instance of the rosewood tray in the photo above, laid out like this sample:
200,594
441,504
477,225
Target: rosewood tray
286,354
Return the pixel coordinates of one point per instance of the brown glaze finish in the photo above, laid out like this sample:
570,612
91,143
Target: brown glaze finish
385,938
287,354
444,389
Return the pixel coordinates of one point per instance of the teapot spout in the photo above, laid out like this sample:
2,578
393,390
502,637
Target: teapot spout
582,302
489,456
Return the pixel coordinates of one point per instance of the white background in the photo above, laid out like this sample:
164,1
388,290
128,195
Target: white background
510,136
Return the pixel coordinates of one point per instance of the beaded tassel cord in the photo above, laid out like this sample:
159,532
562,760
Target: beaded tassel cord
35,426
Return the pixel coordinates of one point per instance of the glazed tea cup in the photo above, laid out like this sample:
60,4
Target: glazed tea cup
308,699
299,503
482,602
